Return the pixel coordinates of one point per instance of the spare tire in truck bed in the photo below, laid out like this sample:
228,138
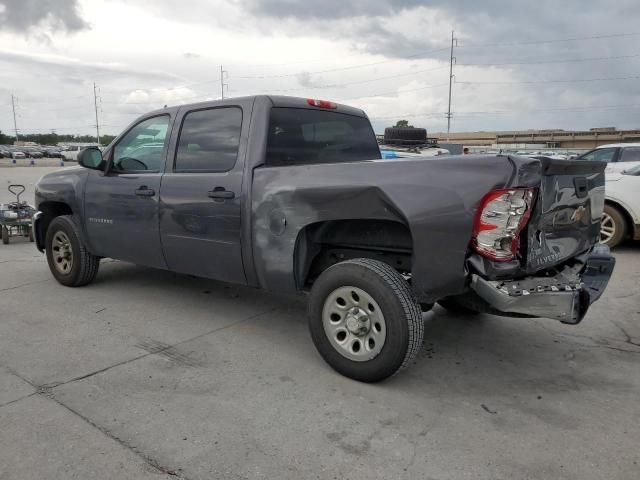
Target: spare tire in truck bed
405,136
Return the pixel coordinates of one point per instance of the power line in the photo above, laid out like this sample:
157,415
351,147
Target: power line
542,62
558,40
508,112
576,80
340,69
358,82
396,91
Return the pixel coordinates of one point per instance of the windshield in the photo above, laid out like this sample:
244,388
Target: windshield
599,155
303,136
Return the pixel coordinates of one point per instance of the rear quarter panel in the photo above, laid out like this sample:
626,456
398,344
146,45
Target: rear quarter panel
436,199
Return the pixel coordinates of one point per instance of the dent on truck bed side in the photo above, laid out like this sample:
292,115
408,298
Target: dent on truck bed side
435,198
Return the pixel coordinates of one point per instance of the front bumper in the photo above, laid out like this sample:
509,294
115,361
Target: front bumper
565,296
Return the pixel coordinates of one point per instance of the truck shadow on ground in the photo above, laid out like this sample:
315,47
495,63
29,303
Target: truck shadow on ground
461,355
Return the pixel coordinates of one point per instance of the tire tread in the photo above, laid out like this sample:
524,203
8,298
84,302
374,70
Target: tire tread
402,290
89,263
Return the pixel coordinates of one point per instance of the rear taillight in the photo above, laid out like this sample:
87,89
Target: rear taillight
321,103
501,216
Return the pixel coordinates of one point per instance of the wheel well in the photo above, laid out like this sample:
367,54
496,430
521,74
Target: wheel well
50,211
323,244
626,215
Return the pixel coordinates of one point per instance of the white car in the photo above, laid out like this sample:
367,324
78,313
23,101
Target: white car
395,152
621,216
619,156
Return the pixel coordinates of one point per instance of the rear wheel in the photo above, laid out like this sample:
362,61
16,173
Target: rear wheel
5,235
69,261
613,227
364,319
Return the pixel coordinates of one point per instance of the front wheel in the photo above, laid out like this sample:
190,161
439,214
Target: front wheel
5,235
69,261
364,319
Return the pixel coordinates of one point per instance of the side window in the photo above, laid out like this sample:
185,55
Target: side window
142,148
209,140
600,155
630,154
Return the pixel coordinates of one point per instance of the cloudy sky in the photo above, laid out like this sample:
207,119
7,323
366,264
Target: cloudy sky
520,64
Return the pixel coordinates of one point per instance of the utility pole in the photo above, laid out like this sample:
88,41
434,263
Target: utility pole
15,124
454,42
95,104
223,74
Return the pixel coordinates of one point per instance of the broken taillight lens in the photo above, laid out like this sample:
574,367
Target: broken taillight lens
501,216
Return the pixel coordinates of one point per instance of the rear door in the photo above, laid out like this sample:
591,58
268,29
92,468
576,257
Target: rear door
121,206
201,195
565,220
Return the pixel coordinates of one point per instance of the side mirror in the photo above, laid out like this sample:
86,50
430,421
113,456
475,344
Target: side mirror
91,157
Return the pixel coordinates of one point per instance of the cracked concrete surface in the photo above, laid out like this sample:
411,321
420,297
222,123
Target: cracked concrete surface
148,374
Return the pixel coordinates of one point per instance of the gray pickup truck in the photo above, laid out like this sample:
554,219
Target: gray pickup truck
291,195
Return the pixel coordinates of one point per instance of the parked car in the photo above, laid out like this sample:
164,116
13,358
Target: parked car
291,195
619,156
70,152
18,154
621,216
33,153
53,152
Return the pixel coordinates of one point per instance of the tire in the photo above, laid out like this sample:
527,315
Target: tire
613,228
63,237
405,133
5,235
392,316
31,237
452,305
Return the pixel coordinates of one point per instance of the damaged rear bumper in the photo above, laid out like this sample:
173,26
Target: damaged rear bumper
565,296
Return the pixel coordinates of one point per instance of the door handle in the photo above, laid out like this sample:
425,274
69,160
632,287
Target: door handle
220,192
145,191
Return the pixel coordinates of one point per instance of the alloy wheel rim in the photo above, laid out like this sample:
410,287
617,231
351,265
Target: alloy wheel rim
354,324
607,228
62,253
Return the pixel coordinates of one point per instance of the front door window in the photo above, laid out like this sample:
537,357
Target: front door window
143,148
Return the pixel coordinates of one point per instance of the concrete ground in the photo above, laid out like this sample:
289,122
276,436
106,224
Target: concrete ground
150,374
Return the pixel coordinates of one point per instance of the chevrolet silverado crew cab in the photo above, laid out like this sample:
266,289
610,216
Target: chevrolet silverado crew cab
291,195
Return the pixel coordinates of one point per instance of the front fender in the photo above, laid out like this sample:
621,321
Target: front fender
38,233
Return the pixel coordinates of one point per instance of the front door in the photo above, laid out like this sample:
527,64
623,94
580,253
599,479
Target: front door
201,195
121,207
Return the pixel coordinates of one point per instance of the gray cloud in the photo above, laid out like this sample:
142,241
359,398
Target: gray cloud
330,9
20,15
73,70
407,35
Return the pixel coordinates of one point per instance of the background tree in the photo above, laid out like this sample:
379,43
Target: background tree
403,124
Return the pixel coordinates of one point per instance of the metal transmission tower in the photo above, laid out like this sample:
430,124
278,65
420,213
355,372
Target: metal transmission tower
223,75
15,124
95,104
452,59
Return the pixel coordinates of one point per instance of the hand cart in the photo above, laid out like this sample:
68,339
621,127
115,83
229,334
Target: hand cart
15,217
